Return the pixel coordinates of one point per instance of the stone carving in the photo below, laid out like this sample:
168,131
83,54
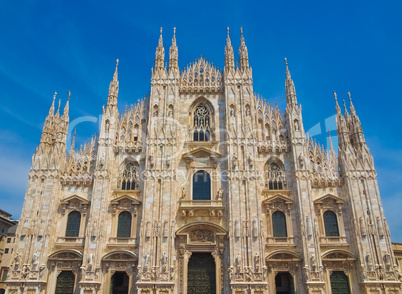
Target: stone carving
201,236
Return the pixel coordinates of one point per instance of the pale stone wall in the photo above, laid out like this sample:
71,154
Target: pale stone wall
252,143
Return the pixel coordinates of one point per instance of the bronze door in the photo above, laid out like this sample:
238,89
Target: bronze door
119,283
201,274
65,283
339,283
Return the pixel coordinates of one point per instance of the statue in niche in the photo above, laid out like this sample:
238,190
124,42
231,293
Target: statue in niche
238,263
219,194
35,258
164,261
183,193
257,262
296,123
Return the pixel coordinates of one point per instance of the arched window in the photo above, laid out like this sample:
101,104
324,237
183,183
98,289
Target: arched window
201,185
129,177
279,224
73,224
124,225
275,177
331,224
202,124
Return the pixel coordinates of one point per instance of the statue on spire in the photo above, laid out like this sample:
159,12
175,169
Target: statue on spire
174,55
290,87
160,54
113,88
229,55
243,53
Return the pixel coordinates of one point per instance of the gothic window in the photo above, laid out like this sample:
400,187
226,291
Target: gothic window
124,225
201,186
279,224
275,177
129,177
331,224
202,123
73,224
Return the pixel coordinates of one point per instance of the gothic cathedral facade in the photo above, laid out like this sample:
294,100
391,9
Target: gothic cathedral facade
202,187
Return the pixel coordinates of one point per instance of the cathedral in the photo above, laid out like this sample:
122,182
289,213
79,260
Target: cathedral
202,187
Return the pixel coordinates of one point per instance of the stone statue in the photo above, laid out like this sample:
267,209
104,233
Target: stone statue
219,194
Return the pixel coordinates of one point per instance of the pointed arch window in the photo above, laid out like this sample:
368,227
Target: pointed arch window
128,181
73,224
202,123
124,225
279,224
275,177
201,185
331,224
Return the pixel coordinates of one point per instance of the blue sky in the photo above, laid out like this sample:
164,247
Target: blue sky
48,46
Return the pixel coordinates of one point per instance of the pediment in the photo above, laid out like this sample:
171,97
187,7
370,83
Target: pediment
125,199
202,152
329,197
74,198
283,255
66,254
338,254
120,256
277,201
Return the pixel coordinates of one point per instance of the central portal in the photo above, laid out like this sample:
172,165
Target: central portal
201,274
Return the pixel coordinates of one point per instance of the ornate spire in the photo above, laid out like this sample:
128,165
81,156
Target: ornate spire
331,147
113,88
58,110
338,109
346,110
229,55
352,107
160,54
72,149
67,107
291,98
51,109
173,54
243,54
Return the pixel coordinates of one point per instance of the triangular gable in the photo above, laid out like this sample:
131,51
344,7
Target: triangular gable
74,198
201,152
125,197
278,197
329,196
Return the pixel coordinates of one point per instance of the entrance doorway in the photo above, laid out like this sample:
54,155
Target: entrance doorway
65,283
119,283
284,283
201,274
339,283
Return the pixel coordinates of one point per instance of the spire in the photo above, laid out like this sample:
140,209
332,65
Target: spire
113,88
331,147
243,54
51,109
338,109
67,107
58,110
173,54
160,54
291,98
352,107
72,149
346,111
229,55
